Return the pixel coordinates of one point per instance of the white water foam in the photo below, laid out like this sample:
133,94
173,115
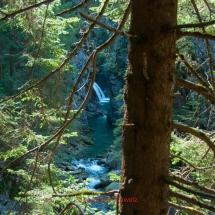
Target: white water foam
100,94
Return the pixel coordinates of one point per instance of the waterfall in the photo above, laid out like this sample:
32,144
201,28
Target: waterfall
100,93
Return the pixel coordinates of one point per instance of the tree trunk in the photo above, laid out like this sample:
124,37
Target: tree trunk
1,74
11,64
148,108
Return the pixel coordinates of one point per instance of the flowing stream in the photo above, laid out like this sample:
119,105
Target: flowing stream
92,168
102,138
103,132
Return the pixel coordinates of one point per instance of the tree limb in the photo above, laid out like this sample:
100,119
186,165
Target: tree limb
73,8
188,190
201,135
40,42
196,25
191,200
191,183
190,164
206,43
70,204
197,34
208,6
24,9
188,209
106,26
197,88
87,192
192,71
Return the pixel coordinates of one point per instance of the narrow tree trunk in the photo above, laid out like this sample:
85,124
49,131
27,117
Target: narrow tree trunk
148,107
11,72
1,74
11,64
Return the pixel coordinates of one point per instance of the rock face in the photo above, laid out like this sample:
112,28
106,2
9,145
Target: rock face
115,85
6,204
93,108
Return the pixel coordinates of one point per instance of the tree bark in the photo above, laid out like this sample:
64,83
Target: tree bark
11,67
148,108
1,74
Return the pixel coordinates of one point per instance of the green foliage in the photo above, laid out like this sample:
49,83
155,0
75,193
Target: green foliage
114,10
114,177
197,112
195,152
39,199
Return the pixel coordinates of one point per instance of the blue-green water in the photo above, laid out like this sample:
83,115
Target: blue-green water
102,136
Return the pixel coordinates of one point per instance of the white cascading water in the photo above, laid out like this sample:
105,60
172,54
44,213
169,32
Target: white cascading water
92,168
100,93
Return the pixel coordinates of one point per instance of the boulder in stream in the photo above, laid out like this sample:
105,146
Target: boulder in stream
112,186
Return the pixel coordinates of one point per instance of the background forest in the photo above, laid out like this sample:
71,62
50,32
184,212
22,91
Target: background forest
47,104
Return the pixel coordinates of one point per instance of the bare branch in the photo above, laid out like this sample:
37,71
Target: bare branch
87,80
201,135
190,68
191,183
197,34
24,9
188,190
188,209
105,26
88,193
206,43
69,205
208,6
40,41
191,200
190,164
196,25
197,88
73,8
